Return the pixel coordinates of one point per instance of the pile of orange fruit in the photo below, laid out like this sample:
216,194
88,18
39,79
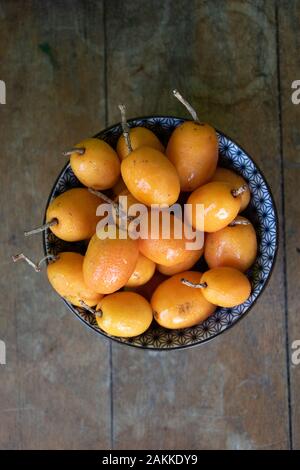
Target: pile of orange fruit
125,282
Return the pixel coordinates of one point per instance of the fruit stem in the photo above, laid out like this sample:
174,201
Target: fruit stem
104,197
97,313
78,150
237,192
36,267
200,285
107,199
42,228
125,127
116,206
187,105
239,221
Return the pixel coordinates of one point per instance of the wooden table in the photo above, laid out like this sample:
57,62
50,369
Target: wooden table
66,65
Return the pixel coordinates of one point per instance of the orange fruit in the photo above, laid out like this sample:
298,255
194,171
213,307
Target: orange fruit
75,211
109,263
226,287
178,306
165,251
150,177
235,181
142,273
191,258
124,314
98,167
66,277
146,290
220,206
139,137
233,246
193,150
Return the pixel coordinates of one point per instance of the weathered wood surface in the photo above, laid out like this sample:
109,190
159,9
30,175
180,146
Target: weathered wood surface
55,388
63,69
289,41
231,393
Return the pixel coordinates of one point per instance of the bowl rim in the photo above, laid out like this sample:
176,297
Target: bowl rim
211,338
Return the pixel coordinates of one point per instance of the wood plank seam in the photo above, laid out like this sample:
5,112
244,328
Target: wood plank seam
106,124
283,229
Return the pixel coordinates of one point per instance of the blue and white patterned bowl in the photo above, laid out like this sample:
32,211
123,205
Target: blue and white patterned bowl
261,211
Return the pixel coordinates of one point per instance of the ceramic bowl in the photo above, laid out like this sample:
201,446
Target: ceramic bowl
261,211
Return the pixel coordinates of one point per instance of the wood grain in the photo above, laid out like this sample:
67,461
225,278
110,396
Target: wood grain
288,24
232,392
55,388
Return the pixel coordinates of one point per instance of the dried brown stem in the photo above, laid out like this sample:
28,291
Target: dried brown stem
187,105
239,221
104,197
42,228
116,206
237,192
125,127
97,313
35,266
200,285
78,150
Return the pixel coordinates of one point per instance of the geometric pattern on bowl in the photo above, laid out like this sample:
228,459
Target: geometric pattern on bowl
261,211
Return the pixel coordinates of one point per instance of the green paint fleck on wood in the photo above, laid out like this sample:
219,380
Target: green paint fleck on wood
46,48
